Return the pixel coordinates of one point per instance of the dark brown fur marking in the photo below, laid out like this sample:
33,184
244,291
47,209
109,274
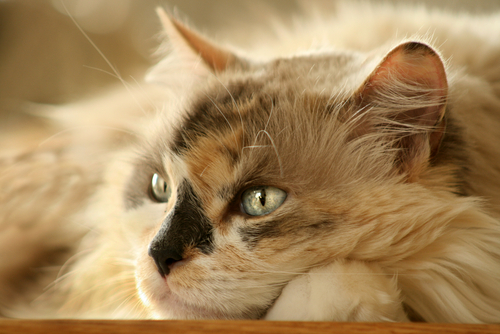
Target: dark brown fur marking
276,228
213,113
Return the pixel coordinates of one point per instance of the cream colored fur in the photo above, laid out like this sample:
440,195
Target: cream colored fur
341,291
399,239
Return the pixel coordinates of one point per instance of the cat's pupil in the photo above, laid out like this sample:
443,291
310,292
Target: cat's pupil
259,201
262,197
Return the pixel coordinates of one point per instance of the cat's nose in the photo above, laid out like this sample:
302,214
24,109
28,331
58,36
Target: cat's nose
186,227
164,258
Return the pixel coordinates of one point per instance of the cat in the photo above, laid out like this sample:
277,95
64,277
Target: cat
349,172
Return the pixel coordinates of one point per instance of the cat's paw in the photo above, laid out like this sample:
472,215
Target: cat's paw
341,291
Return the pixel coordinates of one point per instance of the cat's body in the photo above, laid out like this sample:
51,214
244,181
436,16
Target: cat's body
376,166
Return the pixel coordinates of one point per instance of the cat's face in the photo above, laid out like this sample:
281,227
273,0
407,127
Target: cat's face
246,205
271,171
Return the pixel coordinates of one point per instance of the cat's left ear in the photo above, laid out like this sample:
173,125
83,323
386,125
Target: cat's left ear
192,57
405,98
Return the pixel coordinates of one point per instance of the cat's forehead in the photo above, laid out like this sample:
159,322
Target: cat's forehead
326,66
222,131
257,126
250,131
250,96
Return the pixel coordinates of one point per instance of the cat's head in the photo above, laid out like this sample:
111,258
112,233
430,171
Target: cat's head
279,166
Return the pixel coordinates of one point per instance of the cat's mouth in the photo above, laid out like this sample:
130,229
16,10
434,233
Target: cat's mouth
161,295
192,290
166,300
164,304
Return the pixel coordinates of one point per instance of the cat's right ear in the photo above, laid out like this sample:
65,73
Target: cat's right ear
191,57
405,99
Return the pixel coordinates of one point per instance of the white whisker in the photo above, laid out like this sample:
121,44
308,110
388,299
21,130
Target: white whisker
86,127
275,149
220,111
113,68
256,146
101,70
204,169
69,261
234,102
270,113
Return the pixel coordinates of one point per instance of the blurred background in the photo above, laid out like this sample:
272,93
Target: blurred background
45,58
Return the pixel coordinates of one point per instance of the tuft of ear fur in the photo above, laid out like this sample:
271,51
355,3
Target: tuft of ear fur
406,97
193,57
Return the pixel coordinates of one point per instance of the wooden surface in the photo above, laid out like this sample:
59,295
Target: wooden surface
226,327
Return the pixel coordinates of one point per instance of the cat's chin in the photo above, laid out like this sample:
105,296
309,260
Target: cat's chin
173,307
162,303
161,300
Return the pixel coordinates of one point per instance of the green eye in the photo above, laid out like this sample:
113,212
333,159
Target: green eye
259,201
160,189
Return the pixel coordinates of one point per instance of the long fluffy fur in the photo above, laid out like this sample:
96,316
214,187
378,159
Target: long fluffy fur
430,244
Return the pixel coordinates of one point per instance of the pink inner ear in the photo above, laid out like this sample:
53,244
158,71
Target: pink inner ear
191,46
409,87
218,59
411,65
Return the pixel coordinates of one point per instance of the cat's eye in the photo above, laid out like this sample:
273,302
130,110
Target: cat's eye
259,201
160,190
